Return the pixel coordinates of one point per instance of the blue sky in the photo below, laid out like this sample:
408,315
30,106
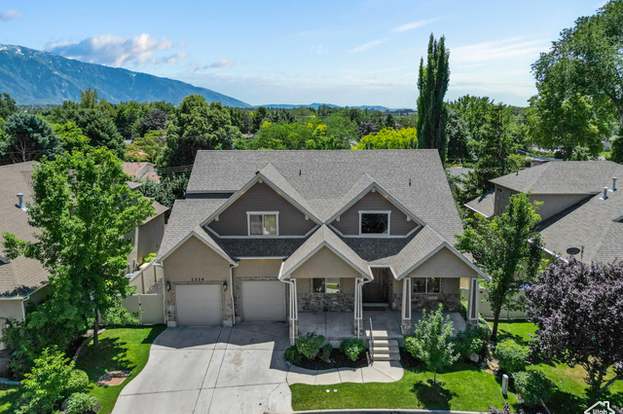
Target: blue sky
340,51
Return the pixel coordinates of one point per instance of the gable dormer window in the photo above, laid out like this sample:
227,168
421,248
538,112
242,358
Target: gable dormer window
374,223
263,223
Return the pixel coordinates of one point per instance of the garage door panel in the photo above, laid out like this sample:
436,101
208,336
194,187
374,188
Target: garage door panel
198,304
263,300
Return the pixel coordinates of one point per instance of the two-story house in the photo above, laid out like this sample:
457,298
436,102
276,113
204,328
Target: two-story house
580,204
308,235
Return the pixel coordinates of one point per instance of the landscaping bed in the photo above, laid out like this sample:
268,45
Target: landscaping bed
337,360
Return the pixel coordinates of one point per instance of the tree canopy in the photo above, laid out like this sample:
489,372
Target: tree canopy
389,138
27,137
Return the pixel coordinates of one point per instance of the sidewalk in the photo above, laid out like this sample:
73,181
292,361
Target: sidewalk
379,371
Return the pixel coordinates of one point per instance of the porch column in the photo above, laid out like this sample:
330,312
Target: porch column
294,312
474,293
358,307
406,306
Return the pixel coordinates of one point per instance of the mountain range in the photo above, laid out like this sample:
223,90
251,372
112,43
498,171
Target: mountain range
34,77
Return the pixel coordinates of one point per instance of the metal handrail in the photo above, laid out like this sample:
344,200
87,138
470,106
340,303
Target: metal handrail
370,342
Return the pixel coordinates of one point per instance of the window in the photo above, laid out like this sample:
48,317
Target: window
374,222
330,286
263,224
426,285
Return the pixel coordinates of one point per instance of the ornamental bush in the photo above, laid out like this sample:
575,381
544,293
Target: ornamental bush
81,403
470,341
292,355
352,348
533,386
309,345
325,353
512,356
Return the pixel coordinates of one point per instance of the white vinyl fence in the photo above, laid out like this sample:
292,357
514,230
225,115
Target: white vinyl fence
484,308
147,302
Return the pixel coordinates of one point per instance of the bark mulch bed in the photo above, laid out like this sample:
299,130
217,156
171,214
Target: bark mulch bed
338,360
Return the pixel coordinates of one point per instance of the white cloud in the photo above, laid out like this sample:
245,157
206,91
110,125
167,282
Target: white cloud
498,50
118,51
7,15
219,64
416,24
367,46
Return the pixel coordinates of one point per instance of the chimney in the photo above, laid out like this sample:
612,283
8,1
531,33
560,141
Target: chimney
605,194
20,201
614,184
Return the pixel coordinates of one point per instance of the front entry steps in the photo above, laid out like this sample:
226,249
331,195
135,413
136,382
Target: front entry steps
383,348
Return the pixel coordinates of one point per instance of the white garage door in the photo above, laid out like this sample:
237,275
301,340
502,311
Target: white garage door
263,300
198,304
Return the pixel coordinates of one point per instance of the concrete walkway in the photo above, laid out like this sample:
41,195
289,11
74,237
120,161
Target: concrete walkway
381,371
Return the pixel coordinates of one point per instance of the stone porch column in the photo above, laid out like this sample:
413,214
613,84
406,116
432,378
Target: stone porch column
406,306
294,312
473,300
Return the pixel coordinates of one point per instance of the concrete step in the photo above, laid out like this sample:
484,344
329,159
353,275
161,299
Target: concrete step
378,334
385,343
386,357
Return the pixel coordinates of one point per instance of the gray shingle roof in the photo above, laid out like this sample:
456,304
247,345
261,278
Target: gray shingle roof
20,276
594,227
484,205
414,177
324,236
563,177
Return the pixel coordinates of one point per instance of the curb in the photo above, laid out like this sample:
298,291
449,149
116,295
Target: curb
386,411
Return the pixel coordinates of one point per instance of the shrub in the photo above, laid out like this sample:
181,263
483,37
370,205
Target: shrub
325,353
292,355
533,386
352,348
81,403
78,381
120,315
512,356
51,380
309,345
470,341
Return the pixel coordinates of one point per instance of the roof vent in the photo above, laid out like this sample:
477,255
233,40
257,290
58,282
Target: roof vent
20,201
614,184
409,182
300,172
605,194
572,251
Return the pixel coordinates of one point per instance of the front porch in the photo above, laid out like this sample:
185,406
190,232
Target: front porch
337,326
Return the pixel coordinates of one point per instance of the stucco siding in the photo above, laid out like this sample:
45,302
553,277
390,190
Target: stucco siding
444,263
552,204
258,268
324,263
260,197
12,310
149,237
193,261
349,220
502,198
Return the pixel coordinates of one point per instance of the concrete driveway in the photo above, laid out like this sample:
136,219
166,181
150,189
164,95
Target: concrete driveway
213,370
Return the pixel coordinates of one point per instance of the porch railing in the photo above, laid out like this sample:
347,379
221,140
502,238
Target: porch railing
370,343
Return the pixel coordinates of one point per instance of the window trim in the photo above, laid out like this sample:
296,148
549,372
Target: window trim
324,285
426,291
388,213
262,213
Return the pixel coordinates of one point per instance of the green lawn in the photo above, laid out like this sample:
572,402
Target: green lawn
570,395
464,387
119,349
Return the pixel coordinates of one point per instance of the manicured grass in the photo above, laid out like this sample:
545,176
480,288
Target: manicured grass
570,395
464,387
119,349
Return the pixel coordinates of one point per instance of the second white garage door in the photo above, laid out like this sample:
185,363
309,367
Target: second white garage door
263,300
198,304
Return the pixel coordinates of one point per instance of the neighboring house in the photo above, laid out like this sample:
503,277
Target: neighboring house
23,280
580,204
274,235
140,172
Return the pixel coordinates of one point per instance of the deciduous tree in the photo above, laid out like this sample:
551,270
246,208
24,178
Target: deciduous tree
579,311
507,248
389,138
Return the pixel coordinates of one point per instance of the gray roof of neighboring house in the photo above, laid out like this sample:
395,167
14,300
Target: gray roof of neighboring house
21,276
594,227
415,178
563,177
324,236
484,205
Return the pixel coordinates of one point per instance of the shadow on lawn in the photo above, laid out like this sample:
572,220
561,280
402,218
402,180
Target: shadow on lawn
108,355
433,395
153,334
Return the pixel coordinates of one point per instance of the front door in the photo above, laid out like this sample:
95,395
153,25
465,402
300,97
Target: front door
377,290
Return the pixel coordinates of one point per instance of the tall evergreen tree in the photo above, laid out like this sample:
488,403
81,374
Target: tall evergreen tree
433,84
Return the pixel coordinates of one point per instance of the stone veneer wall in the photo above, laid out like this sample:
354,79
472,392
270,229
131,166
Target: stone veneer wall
331,302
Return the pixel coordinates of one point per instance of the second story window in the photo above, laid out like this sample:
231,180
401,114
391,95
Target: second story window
374,223
262,223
